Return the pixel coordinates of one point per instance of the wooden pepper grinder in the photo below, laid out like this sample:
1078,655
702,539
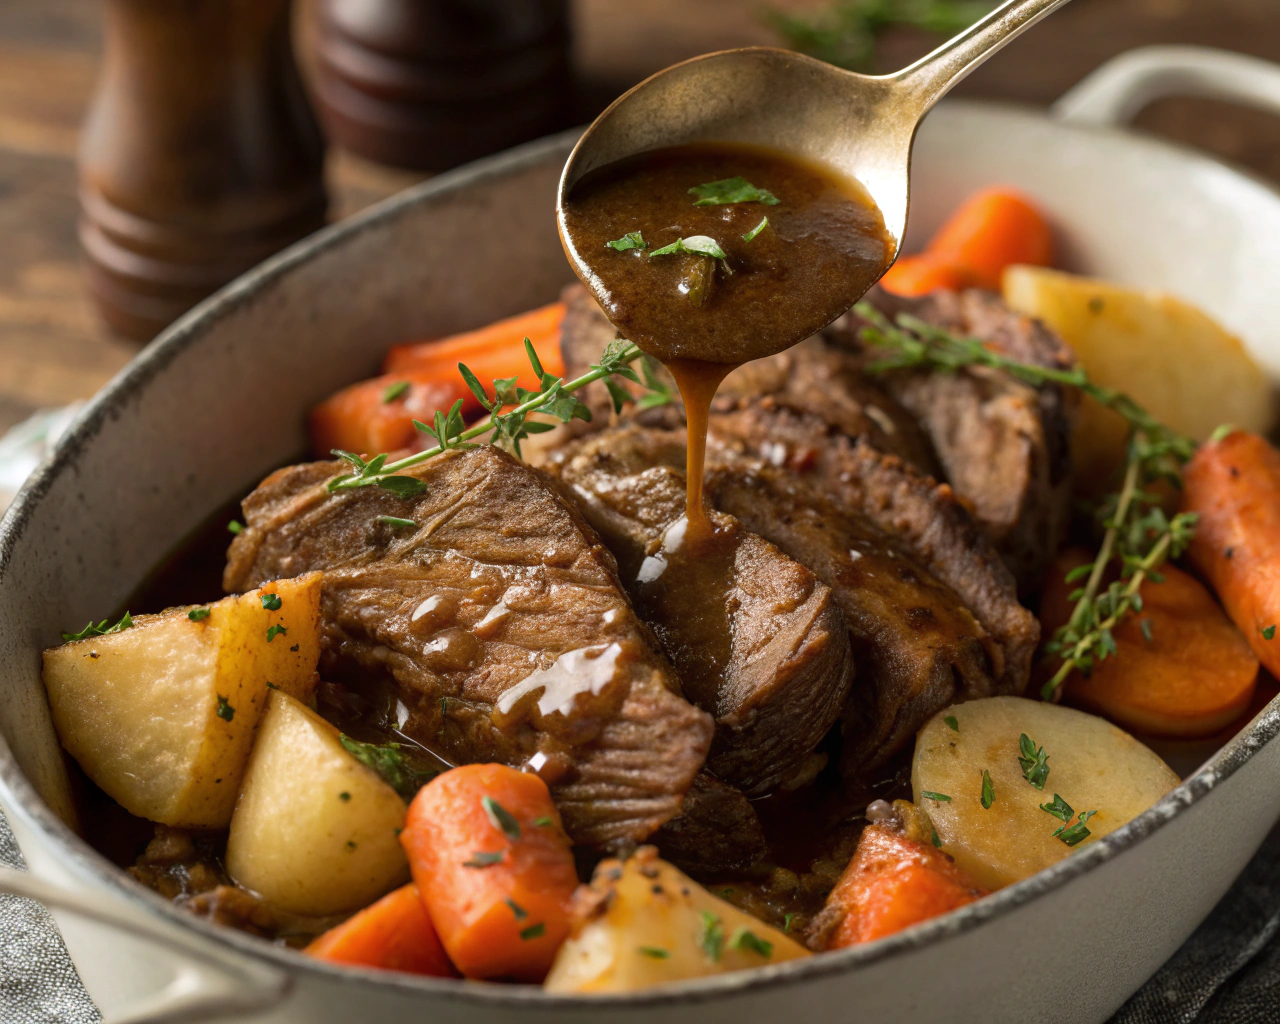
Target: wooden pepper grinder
200,156
430,84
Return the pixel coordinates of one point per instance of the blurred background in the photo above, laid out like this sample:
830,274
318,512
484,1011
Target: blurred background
190,175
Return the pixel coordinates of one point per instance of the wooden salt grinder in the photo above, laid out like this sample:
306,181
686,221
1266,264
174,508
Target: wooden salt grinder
430,84
200,156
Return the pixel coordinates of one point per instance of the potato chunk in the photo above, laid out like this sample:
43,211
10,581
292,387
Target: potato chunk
314,830
1171,358
643,922
1092,766
162,714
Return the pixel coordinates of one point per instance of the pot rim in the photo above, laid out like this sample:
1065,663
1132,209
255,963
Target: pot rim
93,868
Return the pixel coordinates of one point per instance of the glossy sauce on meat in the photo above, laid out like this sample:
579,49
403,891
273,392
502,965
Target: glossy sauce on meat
742,288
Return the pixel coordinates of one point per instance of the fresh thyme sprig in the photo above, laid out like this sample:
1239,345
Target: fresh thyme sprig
1137,535
554,397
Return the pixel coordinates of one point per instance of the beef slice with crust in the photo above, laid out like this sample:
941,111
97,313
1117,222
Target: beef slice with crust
916,646
919,512
717,831
755,637
1003,445
501,619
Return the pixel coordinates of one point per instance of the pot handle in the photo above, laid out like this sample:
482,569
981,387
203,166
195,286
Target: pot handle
208,983
1120,88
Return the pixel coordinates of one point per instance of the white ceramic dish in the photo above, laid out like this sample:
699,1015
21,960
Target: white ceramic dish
218,401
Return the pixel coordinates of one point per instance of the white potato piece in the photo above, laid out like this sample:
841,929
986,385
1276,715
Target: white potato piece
1093,766
649,923
1167,355
314,830
162,715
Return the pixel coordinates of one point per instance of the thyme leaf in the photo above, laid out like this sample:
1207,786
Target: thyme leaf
102,629
391,763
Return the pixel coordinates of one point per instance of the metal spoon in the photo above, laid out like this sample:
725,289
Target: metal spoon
860,125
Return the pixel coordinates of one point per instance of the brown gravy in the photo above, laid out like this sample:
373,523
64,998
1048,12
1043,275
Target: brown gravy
771,286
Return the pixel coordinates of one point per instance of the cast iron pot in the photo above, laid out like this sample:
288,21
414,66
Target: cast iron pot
220,399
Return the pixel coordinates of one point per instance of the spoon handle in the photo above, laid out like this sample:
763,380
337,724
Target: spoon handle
930,78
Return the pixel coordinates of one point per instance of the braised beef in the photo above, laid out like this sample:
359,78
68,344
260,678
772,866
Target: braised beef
1003,445
716,831
756,639
916,645
502,622
921,513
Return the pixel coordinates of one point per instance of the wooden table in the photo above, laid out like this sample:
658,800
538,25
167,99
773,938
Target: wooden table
53,349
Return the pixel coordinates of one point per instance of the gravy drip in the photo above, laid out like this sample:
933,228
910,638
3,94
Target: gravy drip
824,245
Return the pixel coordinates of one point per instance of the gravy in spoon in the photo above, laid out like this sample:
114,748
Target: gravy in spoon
731,285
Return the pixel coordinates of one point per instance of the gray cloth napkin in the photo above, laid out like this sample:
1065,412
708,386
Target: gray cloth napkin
1228,972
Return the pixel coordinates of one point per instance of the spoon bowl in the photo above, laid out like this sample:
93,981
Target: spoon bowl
861,126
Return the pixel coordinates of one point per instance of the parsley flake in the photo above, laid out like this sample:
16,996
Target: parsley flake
196,614
937,839
484,859
235,527
543,822
534,931
101,629
1033,761
1269,632
952,723
501,818
751,235
344,796
694,245
745,939
654,952
225,711
271,602
631,240
1060,809
929,794
731,190
390,762
988,790
516,909
712,938
397,390
275,631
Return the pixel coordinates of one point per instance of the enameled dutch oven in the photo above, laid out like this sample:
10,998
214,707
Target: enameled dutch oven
219,400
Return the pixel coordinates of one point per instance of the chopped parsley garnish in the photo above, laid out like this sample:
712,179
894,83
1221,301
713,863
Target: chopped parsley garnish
484,859
271,602
1034,762
397,521
937,839
654,952
1269,632
731,190
750,235
952,723
501,818
1077,833
351,844
344,796
196,614
631,240
534,931
711,940
543,822
225,711
1060,809
275,631
929,794
397,390
235,527
389,761
271,685
786,922
988,790
744,938
101,629
516,909
694,245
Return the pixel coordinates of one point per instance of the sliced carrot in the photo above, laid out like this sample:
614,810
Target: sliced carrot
892,883
1234,486
918,275
991,230
394,934
377,415
498,348
495,868
1193,677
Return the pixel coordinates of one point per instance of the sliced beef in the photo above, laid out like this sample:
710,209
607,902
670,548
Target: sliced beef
755,638
921,513
916,645
501,620
1003,446
717,831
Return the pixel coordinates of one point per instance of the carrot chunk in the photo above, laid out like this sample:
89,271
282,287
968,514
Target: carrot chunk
377,415
394,934
495,868
1195,675
496,350
1234,486
892,883
912,276
991,230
